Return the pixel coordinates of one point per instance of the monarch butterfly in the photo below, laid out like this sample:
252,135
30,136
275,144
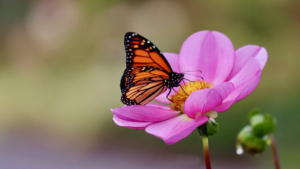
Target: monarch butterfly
147,73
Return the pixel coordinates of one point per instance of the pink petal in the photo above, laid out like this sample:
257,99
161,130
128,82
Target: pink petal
195,103
162,98
226,57
130,124
224,89
238,94
249,71
201,101
248,89
145,113
246,79
227,102
209,51
172,58
173,61
244,54
158,106
175,129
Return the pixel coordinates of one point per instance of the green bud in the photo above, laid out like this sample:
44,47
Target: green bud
253,112
210,128
250,142
262,124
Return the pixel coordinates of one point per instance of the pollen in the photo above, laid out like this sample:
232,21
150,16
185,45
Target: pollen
179,98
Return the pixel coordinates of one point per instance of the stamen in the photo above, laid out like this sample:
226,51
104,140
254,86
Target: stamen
179,98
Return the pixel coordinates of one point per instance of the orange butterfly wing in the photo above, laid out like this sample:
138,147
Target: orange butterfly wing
141,91
141,52
147,71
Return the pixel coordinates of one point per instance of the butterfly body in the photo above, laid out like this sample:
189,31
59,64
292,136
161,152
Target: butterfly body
147,73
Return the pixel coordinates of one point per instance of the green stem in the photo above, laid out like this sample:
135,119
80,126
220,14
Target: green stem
275,152
206,151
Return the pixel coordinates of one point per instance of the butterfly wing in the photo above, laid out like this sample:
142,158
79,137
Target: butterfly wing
147,71
142,85
141,52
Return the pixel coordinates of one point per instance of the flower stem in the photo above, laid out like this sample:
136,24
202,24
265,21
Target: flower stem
275,152
206,151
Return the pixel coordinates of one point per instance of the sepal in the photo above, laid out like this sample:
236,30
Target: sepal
210,128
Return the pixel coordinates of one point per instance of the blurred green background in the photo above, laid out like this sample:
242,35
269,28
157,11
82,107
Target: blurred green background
61,62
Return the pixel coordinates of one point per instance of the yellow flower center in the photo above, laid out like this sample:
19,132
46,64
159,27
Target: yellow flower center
179,98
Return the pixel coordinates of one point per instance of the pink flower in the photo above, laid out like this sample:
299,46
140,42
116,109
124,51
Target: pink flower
229,76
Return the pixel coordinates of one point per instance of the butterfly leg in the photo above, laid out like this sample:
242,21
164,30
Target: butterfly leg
168,95
183,90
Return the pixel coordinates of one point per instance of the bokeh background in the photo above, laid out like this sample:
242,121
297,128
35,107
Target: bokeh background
61,62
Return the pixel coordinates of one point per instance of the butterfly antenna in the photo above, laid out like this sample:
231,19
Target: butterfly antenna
193,71
194,75
188,80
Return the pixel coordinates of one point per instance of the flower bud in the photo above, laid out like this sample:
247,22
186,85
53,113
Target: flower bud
250,142
262,124
253,112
